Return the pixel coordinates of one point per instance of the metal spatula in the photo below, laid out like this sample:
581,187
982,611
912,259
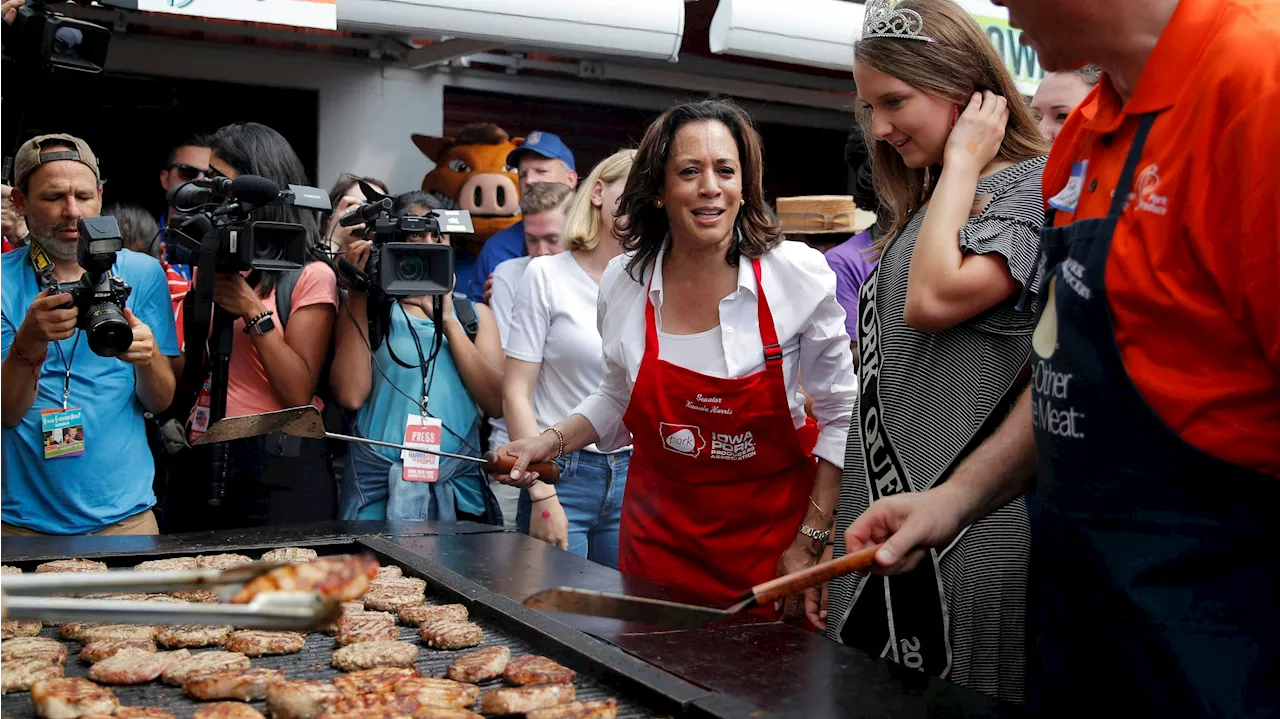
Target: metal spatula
306,422
691,616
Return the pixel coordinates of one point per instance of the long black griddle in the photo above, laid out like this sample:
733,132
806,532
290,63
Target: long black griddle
744,668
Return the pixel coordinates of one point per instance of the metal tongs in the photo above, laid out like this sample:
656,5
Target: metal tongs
305,421
28,596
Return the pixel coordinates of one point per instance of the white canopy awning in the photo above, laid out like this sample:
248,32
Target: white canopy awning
821,33
649,29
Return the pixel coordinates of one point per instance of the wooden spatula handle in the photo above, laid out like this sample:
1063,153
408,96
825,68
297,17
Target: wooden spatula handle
789,584
548,472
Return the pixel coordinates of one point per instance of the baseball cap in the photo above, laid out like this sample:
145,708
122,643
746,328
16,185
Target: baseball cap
30,156
545,144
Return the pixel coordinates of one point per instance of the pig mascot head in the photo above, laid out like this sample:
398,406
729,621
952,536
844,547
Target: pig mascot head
472,174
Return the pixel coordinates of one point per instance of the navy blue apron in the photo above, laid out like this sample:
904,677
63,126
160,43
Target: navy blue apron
1155,590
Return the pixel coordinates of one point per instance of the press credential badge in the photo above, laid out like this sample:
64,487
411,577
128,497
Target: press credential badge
63,432
425,433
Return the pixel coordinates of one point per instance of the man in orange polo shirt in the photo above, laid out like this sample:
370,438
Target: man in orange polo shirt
1152,423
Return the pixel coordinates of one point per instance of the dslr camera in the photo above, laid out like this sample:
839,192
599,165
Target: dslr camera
397,267
220,208
99,294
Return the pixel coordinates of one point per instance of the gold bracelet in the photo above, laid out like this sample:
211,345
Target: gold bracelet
560,437
824,515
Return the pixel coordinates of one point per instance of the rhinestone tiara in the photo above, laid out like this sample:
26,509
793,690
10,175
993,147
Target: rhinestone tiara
882,19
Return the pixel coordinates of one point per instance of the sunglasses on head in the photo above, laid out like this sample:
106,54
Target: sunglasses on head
189,172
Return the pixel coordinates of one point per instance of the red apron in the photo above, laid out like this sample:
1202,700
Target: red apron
719,480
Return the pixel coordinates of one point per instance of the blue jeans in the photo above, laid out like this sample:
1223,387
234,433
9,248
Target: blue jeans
590,490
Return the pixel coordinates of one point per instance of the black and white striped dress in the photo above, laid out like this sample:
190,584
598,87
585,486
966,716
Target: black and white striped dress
936,390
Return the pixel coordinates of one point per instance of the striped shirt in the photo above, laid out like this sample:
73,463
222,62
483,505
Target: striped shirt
936,390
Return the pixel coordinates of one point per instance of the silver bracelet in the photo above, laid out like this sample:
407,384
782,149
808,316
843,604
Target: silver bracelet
814,534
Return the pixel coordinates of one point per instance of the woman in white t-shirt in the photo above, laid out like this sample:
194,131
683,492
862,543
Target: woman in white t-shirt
506,282
554,362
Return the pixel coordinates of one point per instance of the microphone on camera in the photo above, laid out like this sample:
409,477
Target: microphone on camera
254,190
365,214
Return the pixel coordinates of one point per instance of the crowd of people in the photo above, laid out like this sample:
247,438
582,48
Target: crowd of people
1061,429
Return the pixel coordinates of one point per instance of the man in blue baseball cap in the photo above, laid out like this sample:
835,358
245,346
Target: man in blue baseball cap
542,158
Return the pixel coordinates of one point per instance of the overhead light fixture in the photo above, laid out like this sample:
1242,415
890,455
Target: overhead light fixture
817,33
651,29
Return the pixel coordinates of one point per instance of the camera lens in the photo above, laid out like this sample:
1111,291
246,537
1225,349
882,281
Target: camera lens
109,333
409,268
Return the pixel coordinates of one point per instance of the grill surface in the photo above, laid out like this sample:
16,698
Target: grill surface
313,662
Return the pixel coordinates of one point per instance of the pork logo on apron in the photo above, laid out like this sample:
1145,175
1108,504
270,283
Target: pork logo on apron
683,439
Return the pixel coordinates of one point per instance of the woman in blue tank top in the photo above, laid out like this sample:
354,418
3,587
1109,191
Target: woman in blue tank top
389,386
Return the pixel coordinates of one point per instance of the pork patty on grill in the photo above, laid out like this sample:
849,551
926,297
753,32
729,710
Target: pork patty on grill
533,669
366,627
607,709
134,666
522,700
371,655
71,565
300,699
95,652
173,564
480,666
71,698
372,681
20,628
51,650
438,692
221,561
243,684
227,710
290,555
178,672
416,615
257,643
450,634
88,634
20,674
178,636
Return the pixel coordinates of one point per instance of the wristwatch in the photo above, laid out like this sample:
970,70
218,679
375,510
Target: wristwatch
261,324
814,534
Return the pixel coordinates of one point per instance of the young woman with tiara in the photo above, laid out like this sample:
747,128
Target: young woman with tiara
943,338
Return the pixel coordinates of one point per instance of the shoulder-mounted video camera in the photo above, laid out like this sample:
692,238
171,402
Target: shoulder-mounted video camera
398,267
40,36
221,206
99,294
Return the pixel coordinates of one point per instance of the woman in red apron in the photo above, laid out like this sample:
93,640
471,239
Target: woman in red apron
707,325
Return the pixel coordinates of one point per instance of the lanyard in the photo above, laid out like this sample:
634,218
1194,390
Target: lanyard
66,364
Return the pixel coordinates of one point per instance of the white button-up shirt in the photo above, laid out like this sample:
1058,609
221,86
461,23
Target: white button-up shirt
801,289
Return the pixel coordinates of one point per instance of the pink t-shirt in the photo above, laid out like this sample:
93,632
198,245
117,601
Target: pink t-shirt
248,389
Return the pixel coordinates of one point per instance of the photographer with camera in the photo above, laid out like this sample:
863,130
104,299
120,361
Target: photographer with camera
68,289
459,371
283,324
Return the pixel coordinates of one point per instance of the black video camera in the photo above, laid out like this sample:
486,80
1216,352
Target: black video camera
396,266
99,294
222,206
52,40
